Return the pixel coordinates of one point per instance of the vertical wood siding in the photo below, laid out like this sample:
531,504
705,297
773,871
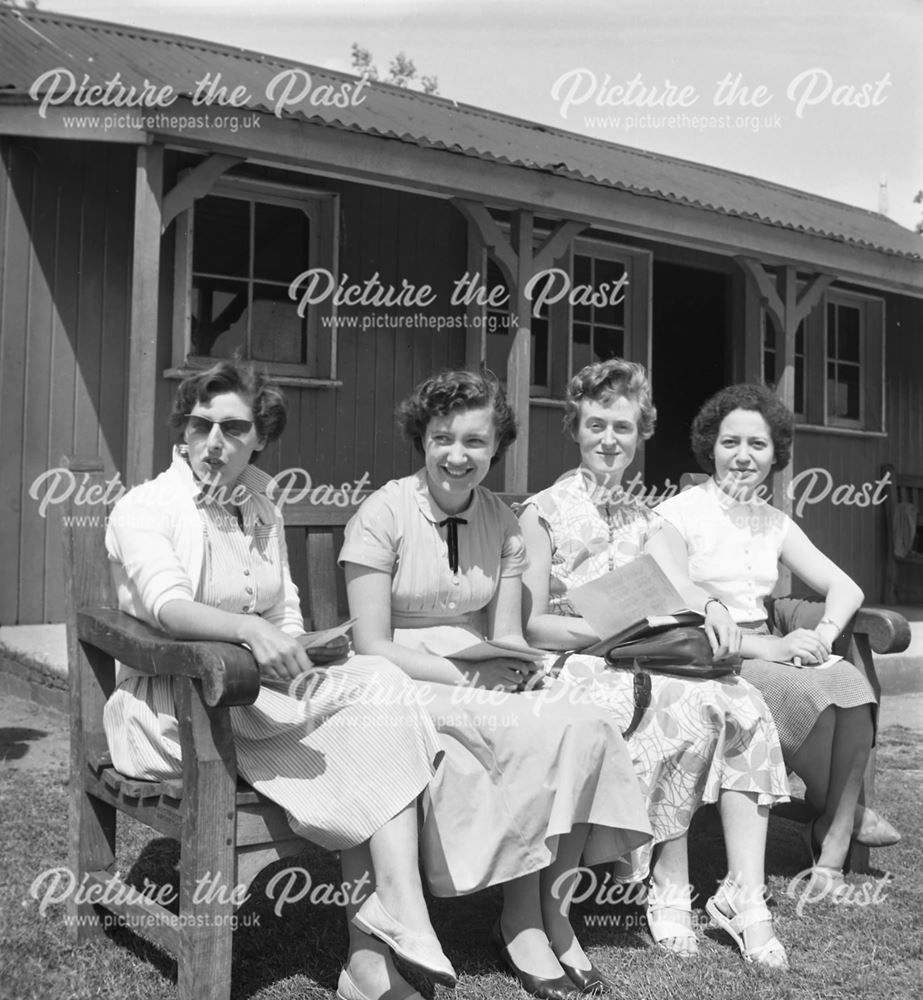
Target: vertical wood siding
66,214
65,220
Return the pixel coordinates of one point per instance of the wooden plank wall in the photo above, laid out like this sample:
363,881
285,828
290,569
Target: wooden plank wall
65,220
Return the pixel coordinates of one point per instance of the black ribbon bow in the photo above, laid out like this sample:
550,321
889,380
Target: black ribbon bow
453,523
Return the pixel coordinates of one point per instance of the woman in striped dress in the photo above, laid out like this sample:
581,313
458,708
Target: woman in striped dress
200,553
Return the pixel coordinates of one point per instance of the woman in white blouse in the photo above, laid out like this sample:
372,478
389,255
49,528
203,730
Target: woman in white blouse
200,553
728,540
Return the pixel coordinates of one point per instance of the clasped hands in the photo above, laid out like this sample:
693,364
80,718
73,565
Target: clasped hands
804,646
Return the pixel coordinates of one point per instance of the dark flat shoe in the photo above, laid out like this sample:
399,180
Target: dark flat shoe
561,988
591,981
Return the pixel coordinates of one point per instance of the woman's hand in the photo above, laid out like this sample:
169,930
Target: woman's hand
722,630
803,645
279,655
501,673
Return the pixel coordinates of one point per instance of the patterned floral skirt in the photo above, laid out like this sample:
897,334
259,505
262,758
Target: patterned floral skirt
697,738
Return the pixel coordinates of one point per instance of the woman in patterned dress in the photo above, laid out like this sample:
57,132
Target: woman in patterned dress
729,541
528,782
200,552
700,740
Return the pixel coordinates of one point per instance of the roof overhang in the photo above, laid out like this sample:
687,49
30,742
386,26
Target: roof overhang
353,155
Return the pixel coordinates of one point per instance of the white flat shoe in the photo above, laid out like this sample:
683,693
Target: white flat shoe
422,951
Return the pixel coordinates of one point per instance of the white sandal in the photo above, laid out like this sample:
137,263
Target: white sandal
664,929
736,923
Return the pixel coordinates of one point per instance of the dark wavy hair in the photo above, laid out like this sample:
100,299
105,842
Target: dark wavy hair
266,398
743,396
603,381
448,391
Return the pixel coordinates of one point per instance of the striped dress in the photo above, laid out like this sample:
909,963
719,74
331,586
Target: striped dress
343,755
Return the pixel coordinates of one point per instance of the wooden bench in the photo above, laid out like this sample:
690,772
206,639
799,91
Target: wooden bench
904,572
222,825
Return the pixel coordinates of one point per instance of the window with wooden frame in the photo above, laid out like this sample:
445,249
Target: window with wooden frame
597,308
839,362
238,251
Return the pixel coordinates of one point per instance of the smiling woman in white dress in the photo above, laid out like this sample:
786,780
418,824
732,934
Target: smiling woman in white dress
200,553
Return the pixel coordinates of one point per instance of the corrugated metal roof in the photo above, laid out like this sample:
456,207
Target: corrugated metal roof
33,42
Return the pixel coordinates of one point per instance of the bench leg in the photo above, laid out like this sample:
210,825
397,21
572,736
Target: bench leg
208,894
91,846
92,849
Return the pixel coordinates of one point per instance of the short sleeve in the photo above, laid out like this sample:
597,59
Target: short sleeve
654,525
674,512
370,537
513,558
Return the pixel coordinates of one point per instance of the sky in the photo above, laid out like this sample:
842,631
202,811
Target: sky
821,95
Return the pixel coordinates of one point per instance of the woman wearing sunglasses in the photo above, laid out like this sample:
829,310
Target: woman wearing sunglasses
200,553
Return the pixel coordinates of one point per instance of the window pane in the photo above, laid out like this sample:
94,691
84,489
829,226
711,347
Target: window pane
843,393
799,386
848,334
496,352
607,343
581,356
221,243
581,335
540,353
608,274
848,376
277,332
769,366
280,245
831,330
219,316
583,275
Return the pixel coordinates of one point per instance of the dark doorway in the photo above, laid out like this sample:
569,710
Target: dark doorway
689,361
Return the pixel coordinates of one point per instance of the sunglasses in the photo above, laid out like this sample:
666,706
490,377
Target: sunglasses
229,428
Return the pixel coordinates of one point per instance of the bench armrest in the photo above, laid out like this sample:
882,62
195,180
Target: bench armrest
888,631
228,673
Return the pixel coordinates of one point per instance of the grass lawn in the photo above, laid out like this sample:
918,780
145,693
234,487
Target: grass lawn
873,951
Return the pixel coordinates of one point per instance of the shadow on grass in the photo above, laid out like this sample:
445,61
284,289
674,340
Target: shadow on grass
15,740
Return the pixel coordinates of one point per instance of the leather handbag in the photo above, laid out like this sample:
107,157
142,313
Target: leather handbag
682,651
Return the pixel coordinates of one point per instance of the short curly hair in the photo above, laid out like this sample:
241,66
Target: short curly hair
604,381
452,390
743,396
232,375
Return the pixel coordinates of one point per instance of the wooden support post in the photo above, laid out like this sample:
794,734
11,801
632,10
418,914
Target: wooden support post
145,281
519,261
786,310
519,360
